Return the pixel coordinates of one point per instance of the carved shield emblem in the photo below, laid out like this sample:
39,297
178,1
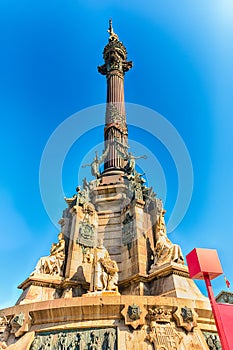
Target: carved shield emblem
86,234
134,312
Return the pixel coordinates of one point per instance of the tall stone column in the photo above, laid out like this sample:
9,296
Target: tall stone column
115,132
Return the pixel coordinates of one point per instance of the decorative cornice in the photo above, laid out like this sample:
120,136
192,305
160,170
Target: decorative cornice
169,269
163,271
55,313
41,281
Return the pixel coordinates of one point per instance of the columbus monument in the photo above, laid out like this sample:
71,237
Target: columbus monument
113,280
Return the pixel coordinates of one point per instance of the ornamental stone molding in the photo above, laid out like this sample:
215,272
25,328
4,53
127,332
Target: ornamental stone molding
160,313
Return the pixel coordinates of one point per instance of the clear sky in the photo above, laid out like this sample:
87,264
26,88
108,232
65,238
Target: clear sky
182,52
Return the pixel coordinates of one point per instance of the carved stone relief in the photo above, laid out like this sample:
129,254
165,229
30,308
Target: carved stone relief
3,322
20,324
17,322
160,313
134,315
212,340
12,328
134,312
128,232
114,115
185,318
162,334
4,332
164,337
86,234
82,339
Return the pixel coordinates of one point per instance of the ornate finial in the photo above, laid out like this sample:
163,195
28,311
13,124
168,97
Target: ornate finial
110,29
112,36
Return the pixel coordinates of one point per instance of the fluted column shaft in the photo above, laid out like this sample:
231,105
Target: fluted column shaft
115,134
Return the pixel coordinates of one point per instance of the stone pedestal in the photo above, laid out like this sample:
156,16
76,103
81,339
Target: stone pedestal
39,287
173,280
136,322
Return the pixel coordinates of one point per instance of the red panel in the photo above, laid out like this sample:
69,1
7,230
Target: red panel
226,314
202,261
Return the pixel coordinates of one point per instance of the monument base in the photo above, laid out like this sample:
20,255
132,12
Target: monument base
172,280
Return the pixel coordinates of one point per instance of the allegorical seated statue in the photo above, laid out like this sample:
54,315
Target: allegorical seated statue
104,272
52,264
165,251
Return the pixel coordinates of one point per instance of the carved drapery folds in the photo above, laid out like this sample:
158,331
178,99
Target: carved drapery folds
52,264
165,251
104,271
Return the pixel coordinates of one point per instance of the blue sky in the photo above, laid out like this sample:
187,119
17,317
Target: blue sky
182,53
